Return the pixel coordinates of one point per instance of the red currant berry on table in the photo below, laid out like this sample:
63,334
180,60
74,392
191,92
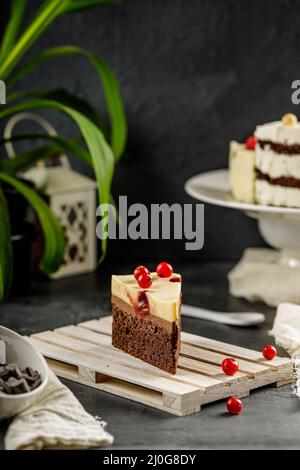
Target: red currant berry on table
251,143
234,406
140,270
144,280
230,366
164,269
269,352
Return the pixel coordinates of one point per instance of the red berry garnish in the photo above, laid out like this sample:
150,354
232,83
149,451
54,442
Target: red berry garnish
230,366
144,280
164,269
139,270
269,352
251,143
234,406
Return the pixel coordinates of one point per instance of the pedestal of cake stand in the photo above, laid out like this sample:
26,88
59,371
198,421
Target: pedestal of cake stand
282,232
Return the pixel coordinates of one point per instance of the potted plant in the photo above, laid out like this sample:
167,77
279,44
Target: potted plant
97,146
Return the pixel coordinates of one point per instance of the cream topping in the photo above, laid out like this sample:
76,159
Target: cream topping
278,132
163,296
277,165
269,194
241,172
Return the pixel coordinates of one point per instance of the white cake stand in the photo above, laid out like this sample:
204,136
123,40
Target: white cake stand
279,226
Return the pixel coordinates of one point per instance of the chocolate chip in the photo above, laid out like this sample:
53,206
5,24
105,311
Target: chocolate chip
14,381
14,371
36,383
31,377
17,385
29,371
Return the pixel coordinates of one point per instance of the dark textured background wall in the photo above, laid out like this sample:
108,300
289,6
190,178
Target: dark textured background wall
193,74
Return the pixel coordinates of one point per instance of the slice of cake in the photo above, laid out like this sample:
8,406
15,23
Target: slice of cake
146,315
278,162
242,170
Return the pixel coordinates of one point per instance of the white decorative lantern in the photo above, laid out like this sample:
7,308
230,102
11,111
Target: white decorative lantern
72,197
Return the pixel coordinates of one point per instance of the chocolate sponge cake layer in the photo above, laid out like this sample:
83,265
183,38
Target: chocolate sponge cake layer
287,182
144,338
280,148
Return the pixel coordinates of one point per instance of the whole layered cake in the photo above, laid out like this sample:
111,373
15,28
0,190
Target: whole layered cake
146,315
266,169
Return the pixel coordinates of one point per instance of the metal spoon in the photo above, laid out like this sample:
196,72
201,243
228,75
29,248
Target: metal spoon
234,319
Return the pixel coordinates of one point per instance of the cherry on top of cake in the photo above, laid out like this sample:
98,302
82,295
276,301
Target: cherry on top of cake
164,288
251,143
245,149
163,296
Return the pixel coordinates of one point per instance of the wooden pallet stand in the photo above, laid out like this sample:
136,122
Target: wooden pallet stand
84,354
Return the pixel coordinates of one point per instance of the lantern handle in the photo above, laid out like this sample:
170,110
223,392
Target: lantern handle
42,122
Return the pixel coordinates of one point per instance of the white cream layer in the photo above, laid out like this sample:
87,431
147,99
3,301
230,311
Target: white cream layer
275,195
277,132
241,172
164,297
277,165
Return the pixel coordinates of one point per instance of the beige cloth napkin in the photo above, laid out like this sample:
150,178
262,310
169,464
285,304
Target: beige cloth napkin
56,419
259,277
286,331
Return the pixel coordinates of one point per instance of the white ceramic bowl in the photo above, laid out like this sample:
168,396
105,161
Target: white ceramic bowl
21,352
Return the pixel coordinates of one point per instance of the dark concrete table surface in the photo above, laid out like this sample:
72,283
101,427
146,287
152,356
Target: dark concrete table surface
271,417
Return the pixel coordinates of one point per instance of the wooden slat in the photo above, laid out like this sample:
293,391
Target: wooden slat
210,370
117,357
119,371
230,349
117,387
217,358
85,334
184,363
103,325
192,347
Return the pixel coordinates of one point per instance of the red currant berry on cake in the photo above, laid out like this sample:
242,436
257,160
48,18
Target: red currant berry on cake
164,269
269,352
230,366
140,270
144,280
251,143
234,406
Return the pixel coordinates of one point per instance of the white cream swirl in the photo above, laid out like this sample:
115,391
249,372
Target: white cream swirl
279,133
277,165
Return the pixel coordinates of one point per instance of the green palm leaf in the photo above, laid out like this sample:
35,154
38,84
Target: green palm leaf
100,152
6,256
72,101
110,89
46,14
16,16
64,97
25,160
53,233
